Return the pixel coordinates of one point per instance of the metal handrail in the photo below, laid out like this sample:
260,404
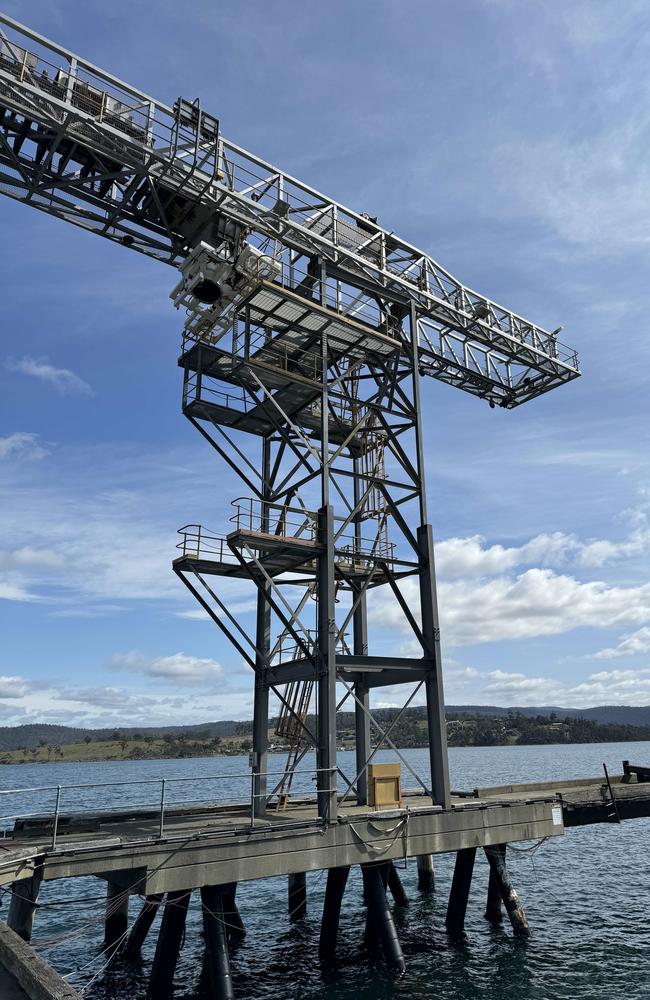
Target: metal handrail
198,543
283,353
162,804
258,516
287,645
247,177
194,388
252,513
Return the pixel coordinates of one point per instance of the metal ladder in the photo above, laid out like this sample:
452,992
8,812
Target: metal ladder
290,724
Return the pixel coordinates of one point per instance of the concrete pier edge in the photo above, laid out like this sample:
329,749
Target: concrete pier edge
38,979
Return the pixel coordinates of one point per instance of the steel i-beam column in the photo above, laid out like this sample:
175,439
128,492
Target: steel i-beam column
263,643
429,607
360,641
326,756
362,738
433,684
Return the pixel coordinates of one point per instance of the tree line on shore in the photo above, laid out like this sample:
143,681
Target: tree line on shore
408,731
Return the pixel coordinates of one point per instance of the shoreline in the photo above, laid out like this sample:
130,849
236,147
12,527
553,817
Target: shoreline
196,755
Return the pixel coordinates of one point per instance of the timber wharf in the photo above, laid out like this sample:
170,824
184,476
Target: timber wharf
160,855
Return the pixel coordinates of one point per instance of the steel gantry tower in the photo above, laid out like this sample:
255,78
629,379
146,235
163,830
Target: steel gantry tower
307,331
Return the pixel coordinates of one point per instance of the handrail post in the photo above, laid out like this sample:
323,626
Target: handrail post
151,114
70,82
253,799
55,827
161,827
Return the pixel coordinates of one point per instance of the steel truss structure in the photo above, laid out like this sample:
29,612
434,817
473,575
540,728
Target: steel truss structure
308,329
337,512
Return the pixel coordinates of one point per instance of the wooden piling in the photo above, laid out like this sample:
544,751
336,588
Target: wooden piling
116,922
141,926
22,908
514,909
297,899
234,923
336,882
217,958
395,885
170,939
493,908
459,893
371,932
426,874
381,919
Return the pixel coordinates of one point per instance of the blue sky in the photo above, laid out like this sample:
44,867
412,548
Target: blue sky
509,139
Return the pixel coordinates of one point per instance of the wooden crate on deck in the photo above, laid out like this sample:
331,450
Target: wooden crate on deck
384,786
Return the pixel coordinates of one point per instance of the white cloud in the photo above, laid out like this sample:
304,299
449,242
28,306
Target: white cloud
15,564
22,444
179,667
583,174
30,558
62,379
14,687
613,687
87,611
114,707
14,592
463,557
597,553
630,645
235,607
501,684
514,688
535,603
106,697
110,513
589,190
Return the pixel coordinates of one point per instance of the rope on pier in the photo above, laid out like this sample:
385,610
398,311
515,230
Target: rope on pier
528,850
378,852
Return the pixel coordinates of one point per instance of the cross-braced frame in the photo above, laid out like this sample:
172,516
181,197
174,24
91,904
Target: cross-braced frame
335,524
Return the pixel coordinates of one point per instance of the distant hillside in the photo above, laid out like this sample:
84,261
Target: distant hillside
622,715
40,734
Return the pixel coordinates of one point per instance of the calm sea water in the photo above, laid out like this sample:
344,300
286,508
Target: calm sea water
586,895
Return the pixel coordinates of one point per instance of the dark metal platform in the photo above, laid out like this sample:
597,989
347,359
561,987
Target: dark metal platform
220,844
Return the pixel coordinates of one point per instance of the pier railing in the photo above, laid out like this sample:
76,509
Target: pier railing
45,811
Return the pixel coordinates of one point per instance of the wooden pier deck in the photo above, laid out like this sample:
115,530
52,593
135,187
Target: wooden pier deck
219,845
164,854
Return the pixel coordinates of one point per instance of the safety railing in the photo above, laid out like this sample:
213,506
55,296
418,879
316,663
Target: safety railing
346,409
280,520
289,347
359,552
335,295
199,543
257,188
200,388
117,802
288,353
286,649
73,85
